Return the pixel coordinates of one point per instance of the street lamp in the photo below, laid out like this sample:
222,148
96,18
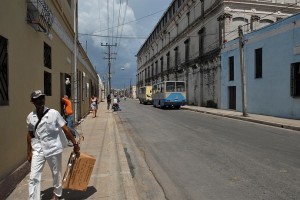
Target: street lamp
123,68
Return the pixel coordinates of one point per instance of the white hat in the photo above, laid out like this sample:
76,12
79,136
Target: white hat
36,94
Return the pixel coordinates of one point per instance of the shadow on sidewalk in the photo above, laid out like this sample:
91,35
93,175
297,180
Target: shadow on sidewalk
70,194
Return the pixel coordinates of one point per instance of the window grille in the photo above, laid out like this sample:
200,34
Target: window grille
47,56
231,68
176,62
168,60
4,100
47,83
152,70
258,63
201,34
156,67
187,49
295,80
161,64
176,57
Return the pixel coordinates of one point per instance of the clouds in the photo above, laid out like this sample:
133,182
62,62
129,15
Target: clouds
116,23
103,22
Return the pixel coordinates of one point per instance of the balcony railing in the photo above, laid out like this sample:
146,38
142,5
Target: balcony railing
39,15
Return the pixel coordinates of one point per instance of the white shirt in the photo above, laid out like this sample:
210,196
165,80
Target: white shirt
115,100
49,136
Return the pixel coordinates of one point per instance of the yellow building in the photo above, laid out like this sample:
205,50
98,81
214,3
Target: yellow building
37,52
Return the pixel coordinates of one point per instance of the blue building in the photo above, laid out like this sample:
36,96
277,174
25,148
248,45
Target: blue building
272,67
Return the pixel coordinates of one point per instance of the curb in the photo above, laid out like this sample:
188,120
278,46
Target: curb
279,125
130,191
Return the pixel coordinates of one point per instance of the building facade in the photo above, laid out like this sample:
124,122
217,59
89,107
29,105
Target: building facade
37,52
272,71
133,92
185,44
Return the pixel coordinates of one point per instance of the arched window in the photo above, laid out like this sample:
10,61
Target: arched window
237,21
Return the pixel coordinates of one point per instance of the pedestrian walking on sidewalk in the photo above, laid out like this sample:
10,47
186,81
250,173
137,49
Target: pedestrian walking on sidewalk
94,105
45,141
68,113
108,99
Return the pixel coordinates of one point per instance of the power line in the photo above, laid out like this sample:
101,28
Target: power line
122,26
143,37
119,18
134,37
113,22
107,7
129,22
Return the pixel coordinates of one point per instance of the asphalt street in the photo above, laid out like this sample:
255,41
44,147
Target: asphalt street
198,156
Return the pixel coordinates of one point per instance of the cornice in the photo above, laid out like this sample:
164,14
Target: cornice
58,7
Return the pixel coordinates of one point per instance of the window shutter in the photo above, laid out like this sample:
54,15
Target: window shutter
292,81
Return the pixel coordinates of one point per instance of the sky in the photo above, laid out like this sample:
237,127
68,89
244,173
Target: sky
130,23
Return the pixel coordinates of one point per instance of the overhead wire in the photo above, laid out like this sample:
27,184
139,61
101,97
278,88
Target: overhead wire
113,36
118,25
107,7
145,37
117,36
124,17
112,23
99,19
131,21
119,15
134,37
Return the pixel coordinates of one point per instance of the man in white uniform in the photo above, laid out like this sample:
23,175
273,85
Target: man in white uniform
45,141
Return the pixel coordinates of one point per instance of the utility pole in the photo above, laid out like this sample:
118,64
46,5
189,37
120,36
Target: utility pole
243,73
124,90
109,64
130,89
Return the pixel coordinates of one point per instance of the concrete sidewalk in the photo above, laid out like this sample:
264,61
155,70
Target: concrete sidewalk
292,124
111,178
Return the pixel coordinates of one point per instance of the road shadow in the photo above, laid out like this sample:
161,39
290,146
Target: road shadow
70,194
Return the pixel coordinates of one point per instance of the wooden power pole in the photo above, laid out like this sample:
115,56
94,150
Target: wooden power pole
243,73
109,64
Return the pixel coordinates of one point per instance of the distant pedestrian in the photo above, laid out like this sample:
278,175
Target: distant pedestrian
108,99
94,105
68,112
116,105
45,141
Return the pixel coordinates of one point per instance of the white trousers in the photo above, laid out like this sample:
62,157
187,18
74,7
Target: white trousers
37,165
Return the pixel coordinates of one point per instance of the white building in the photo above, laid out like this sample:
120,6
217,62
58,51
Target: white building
186,42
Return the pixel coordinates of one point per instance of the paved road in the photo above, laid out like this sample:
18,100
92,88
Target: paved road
197,156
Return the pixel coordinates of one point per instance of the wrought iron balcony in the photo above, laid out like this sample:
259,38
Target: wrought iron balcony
39,15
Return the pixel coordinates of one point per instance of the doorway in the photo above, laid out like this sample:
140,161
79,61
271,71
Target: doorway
232,97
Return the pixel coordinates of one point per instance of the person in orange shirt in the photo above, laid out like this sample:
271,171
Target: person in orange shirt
68,113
